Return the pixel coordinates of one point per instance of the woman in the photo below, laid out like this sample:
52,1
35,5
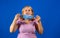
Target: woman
26,24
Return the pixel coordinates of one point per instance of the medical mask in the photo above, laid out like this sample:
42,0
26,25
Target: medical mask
27,17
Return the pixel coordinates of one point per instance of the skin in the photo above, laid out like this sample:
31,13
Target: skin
39,27
28,11
14,26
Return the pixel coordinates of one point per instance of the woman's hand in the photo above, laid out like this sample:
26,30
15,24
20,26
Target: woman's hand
37,18
17,16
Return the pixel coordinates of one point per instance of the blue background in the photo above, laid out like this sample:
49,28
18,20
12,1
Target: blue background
49,10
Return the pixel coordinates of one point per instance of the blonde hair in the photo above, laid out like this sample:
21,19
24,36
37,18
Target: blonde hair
29,7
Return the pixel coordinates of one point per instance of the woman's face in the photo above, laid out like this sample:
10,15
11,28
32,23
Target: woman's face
27,10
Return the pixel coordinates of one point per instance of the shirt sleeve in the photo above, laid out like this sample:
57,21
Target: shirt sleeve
18,22
35,22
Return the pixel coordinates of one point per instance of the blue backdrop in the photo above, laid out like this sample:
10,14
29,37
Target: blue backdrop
49,10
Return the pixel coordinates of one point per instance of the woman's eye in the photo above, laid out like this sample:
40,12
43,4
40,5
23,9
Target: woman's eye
25,10
28,10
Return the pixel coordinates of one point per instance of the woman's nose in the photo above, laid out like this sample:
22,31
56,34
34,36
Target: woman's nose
27,13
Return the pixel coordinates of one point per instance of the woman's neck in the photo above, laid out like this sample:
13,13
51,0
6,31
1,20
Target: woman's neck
27,21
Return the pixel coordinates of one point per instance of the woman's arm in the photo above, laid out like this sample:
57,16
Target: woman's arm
14,26
39,26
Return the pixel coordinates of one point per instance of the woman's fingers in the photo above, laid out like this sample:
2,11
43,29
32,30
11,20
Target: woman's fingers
38,18
17,16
